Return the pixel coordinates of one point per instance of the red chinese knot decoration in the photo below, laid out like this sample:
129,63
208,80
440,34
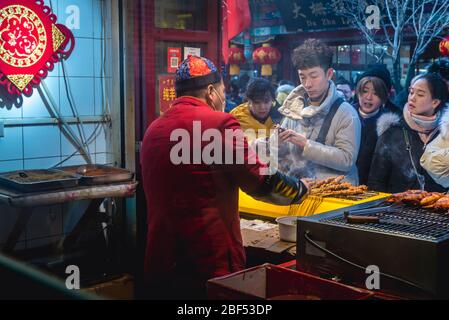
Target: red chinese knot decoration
30,44
444,47
236,57
266,56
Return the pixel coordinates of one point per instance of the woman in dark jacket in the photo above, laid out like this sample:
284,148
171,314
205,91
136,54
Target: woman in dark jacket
372,92
396,161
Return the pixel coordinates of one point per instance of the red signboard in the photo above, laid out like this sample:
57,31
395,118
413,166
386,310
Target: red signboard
173,59
30,43
167,92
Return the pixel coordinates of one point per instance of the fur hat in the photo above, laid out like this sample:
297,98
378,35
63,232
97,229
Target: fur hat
378,71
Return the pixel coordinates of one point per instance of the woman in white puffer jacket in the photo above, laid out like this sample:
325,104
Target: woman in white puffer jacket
435,158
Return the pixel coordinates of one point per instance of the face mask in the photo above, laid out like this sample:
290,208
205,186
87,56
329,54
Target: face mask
223,102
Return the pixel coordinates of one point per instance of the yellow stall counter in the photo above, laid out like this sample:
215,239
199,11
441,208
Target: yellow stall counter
310,206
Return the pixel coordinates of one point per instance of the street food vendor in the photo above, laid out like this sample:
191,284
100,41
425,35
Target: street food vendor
194,158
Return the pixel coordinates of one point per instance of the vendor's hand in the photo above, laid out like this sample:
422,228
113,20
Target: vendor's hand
303,193
293,137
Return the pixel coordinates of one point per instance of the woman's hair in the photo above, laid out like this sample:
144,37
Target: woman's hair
379,87
437,86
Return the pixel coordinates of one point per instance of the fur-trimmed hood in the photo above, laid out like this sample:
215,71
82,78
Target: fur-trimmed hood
294,106
386,121
294,103
389,119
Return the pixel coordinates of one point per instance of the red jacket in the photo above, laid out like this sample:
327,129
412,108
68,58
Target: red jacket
193,220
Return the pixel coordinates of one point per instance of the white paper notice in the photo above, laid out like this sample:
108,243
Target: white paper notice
189,51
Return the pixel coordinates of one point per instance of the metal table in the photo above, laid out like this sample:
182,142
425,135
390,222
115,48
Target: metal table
26,202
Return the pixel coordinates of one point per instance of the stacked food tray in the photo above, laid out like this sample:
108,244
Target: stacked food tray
37,180
62,178
98,174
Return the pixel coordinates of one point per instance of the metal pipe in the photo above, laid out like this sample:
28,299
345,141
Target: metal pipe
65,128
19,122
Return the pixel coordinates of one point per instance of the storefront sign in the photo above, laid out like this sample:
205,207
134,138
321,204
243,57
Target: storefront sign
30,44
189,51
167,92
311,15
265,14
173,59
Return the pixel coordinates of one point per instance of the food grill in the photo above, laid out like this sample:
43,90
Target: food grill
408,244
358,197
407,221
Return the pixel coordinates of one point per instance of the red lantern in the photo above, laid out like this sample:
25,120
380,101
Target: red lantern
236,57
266,56
444,47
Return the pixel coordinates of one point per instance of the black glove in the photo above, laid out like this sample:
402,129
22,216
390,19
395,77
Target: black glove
281,189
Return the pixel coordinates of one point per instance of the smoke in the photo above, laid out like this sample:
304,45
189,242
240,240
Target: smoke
302,169
407,168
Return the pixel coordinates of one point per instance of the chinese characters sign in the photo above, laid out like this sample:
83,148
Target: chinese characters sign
264,14
30,41
167,92
311,15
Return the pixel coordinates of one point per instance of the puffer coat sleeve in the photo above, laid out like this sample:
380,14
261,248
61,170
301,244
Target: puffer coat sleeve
435,160
342,154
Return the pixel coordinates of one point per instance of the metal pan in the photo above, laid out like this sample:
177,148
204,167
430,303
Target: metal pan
93,174
38,180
